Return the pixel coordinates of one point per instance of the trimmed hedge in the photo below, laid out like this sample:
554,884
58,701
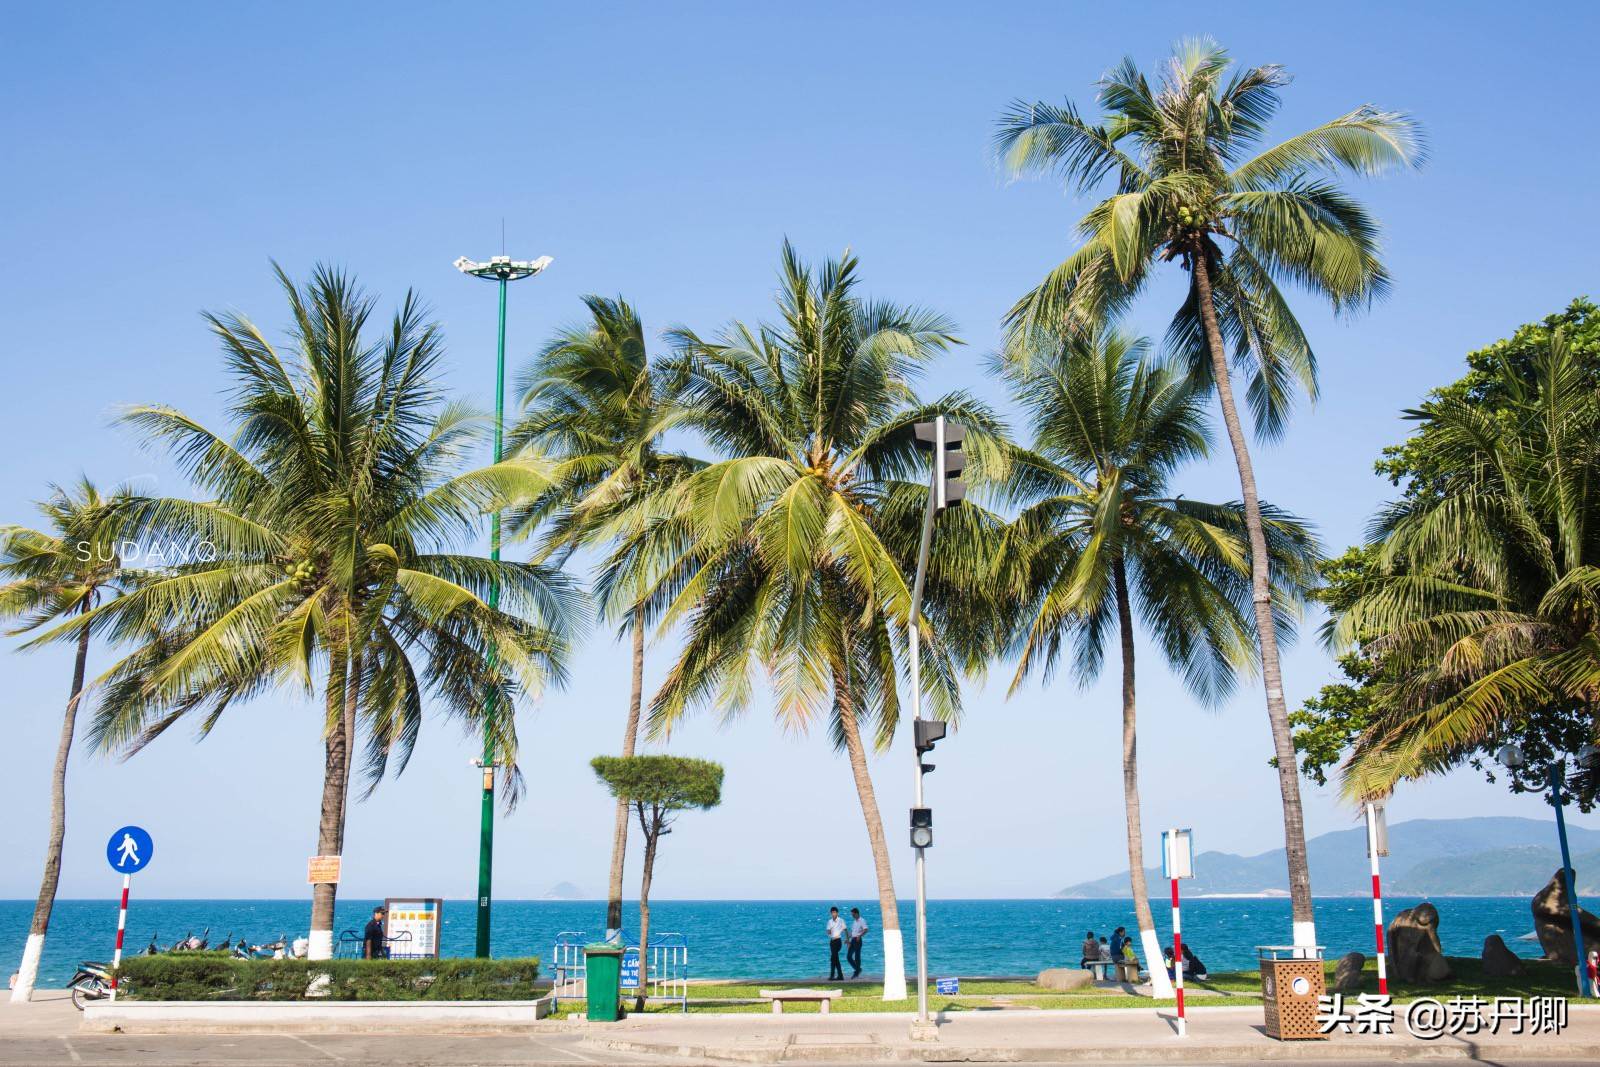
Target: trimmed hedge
204,976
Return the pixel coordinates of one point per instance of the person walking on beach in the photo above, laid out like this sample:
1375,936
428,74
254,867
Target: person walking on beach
858,931
835,942
1594,974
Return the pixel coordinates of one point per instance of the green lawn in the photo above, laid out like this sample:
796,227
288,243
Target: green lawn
1228,987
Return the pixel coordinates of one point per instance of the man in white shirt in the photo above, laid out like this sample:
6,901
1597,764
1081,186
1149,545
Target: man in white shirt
858,931
835,942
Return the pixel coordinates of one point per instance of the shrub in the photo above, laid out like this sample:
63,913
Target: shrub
205,976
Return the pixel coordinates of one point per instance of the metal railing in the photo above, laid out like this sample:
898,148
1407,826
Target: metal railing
668,975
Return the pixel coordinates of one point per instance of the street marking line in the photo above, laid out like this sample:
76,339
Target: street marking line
314,1048
70,1050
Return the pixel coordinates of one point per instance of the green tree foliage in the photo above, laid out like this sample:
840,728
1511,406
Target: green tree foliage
805,534
596,405
52,575
658,788
1105,540
334,507
1469,569
1190,183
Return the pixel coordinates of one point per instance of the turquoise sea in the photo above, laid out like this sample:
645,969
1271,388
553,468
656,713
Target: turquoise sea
780,938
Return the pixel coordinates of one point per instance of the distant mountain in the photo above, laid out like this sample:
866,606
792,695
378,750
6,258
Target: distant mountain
1492,856
565,891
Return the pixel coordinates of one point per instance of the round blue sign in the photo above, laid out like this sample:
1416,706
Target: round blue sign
129,850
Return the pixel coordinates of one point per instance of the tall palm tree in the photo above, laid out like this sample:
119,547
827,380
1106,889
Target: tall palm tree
802,567
1106,541
1191,187
595,405
62,571
1486,606
333,507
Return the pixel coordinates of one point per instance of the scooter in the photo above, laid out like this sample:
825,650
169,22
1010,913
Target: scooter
92,981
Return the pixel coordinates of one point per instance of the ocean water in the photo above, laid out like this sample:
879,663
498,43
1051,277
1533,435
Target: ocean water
781,938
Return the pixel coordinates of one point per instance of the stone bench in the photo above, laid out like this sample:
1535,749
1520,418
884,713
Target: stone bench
821,997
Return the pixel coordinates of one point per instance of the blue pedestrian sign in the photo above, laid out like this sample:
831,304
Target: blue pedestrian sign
629,978
129,850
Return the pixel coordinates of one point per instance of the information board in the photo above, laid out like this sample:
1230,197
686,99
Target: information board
412,927
630,969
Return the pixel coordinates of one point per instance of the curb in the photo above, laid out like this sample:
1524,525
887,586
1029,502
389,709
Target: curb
1308,1051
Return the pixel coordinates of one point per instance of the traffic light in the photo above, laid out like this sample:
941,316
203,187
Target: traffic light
944,438
921,827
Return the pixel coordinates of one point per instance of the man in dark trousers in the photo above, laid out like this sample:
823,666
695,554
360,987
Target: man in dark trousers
858,931
835,942
373,944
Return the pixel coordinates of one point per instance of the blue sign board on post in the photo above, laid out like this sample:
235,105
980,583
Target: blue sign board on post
630,969
129,850
947,987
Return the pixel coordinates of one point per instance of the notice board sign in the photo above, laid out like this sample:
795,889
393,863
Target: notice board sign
412,926
322,870
629,978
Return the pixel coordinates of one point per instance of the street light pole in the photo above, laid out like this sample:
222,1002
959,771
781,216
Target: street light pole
502,270
1511,756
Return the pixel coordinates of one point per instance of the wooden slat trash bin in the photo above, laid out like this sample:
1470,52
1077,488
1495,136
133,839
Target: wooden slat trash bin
1291,989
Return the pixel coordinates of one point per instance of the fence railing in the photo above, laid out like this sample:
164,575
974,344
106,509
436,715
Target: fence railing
668,974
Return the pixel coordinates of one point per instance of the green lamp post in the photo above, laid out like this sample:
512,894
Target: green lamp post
503,270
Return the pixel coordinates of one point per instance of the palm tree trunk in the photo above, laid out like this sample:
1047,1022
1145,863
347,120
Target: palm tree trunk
651,835
1294,832
894,959
1161,985
630,738
33,951
343,692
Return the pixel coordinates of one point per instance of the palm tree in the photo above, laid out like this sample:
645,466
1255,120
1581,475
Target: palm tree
1485,608
594,403
1107,541
333,507
52,574
1191,187
802,567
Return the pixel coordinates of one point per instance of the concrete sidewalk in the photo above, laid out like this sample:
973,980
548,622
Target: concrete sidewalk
1216,1035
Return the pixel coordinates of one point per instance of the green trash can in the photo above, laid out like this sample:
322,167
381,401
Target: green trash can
602,965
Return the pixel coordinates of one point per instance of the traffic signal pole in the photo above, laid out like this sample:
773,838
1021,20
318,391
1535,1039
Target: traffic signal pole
945,488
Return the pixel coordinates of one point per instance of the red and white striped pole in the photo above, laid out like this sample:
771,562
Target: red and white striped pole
122,927
1377,897
1177,959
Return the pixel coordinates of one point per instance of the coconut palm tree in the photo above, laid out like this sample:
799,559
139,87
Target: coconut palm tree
803,567
61,571
1191,185
1106,541
596,406
1485,608
333,507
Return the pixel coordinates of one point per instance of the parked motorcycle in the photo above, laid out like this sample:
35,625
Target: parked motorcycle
92,981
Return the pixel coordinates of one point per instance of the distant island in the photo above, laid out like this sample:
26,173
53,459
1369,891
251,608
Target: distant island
565,891
1479,857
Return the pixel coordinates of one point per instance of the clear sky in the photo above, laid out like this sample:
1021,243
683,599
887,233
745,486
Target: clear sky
157,156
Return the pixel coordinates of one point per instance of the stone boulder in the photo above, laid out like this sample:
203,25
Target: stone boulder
1413,946
1552,921
1498,960
1064,979
1347,975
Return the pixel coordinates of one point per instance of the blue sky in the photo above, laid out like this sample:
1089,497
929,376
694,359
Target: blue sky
157,157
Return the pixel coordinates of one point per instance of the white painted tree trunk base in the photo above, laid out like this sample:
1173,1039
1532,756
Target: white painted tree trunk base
894,966
28,973
1160,983
321,945
1305,935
